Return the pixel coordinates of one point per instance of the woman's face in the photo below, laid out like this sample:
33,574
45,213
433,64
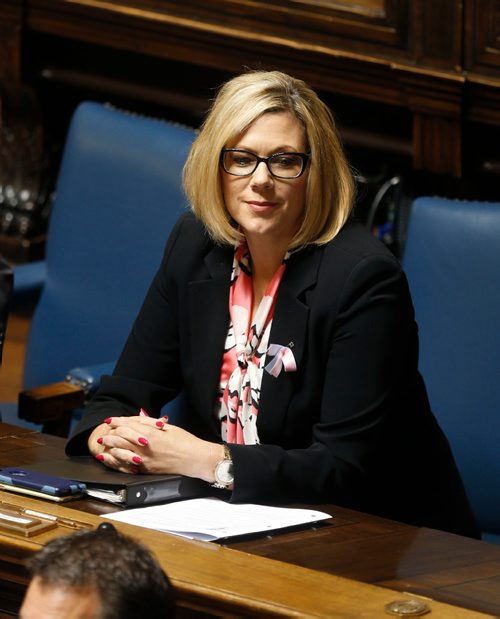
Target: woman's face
268,208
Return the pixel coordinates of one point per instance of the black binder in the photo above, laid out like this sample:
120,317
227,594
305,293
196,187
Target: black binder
120,488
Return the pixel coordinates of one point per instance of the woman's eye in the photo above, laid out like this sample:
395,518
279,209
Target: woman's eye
285,162
242,161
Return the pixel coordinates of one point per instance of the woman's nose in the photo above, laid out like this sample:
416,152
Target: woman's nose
262,175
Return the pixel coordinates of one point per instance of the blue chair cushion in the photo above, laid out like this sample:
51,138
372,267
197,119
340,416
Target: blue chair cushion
452,260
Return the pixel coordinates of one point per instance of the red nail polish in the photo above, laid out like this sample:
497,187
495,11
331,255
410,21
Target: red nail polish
160,424
99,457
165,418
134,470
143,413
142,441
108,420
99,440
137,459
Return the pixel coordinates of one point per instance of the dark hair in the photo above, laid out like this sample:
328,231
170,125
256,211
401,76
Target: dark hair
129,580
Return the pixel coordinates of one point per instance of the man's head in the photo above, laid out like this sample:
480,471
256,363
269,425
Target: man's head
60,601
99,574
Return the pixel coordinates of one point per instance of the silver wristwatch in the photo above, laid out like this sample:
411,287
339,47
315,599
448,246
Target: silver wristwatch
224,476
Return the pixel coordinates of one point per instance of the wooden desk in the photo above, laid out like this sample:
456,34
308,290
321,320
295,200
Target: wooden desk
294,574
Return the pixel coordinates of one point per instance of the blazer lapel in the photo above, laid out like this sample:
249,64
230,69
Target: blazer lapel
208,321
289,328
209,318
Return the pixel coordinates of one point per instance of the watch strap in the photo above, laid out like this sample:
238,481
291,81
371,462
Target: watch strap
227,458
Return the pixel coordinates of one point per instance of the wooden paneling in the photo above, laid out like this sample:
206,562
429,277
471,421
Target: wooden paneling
439,30
10,40
430,70
370,49
482,61
366,25
394,52
364,50
482,41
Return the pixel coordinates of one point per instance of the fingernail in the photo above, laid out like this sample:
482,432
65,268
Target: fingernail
108,420
143,413
99,457
99,440
142,441
137,460
159,424
134,470
165,418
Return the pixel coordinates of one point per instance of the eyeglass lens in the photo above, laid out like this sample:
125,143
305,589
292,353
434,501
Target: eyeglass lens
282,165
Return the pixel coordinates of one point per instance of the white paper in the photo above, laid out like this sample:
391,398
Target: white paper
210,518
105,495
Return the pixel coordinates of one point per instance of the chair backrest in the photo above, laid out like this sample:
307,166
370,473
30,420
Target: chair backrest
118,194
452,260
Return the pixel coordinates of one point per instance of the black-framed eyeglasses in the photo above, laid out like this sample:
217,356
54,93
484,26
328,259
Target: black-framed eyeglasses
281,165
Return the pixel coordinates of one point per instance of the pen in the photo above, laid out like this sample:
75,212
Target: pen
65,522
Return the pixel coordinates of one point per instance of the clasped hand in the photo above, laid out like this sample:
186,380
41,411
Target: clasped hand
142,444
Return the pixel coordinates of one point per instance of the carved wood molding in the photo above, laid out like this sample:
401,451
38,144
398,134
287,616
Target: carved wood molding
174,36
349,25
389,32
405,53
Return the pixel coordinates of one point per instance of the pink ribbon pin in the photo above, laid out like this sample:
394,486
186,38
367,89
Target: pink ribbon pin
283,358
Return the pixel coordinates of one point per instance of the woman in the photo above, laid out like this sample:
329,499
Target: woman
288,328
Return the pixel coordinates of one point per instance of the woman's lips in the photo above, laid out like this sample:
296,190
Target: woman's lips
261,205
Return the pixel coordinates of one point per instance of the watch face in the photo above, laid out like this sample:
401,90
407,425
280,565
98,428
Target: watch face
224,472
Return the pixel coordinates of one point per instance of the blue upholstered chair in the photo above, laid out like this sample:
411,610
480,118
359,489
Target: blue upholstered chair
118,195
452,260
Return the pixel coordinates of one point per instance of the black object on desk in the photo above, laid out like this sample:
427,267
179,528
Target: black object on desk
40,484
120,488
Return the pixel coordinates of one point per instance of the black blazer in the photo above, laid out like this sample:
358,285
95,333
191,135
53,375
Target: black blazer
351,426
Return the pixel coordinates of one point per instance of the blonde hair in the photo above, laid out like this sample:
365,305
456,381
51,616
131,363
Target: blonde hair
243,99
